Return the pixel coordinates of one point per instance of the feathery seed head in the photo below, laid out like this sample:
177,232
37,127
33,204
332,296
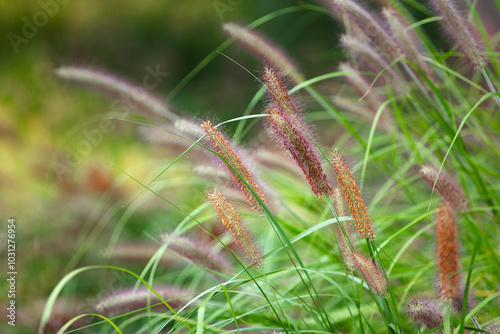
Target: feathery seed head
221,145
289,132
233,223
345,250
369,25
407,39
445,187
461,31
128,300
447,253
263,49
364,51
279,92
424,310
196,251
134,97
352,195
371,273
457,300
285,123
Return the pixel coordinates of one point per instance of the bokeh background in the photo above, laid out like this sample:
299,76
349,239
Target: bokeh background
42,119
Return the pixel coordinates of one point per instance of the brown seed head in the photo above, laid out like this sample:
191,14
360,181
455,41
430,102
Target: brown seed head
263,49
233,223
352,195
447,253
445,187
222,146
290,133
425,310
370,272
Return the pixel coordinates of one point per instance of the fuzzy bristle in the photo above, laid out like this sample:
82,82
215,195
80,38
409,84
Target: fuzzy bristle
234,224
461,31
368,24
129,94
352,195
370,272
345,250
286,125
424,310
447,253
263,49
128,299
196,251
223,147
445,187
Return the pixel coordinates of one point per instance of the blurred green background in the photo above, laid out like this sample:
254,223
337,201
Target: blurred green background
126,37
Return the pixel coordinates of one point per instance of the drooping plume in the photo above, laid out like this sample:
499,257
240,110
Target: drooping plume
128,94
352,195
196,251
345,250
368,24
263,49
222,146
364,51
288,128
128,299
461,31
445,187
373,276
447,253
234,224
424,310
407,39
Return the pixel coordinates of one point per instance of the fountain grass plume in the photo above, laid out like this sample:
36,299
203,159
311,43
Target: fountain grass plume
196,251
368,24
461,31
222,146
234,224
445,187
134,96
352,196
128,299
263,49
406,38
363,51
424,310
345,250
288,128
447,253
372,275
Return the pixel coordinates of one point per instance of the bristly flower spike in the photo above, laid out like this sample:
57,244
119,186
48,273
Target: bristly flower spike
368,24
425,310
263,49
352,195
222,146
286,125
345,250
233,222
410,43
461,31
126,92
447,253
371,273
128,300
445,187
